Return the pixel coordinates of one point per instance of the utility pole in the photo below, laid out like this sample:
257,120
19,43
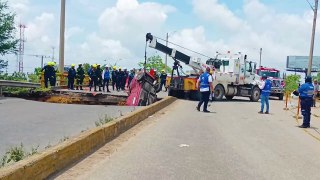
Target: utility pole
53,53
62,30
21,47
260,57
315,11
166,61
41,61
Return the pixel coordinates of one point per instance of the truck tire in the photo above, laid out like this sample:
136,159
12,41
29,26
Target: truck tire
218,92
255,94
171,92
280,97
229,98
195,95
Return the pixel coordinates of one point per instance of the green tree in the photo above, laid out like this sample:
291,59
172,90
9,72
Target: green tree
86,67
35,76
316,77
155,62
8,41
3,65
292,83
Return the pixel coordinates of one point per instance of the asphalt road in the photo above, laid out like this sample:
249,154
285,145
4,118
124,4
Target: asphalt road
233,142
37,123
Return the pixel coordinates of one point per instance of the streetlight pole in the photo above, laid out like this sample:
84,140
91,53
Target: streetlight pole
260,57
315,11
167,38
62,29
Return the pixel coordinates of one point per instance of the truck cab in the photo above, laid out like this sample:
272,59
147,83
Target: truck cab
277,82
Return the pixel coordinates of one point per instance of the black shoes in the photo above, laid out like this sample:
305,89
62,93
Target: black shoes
267,112
304,126
206,111
260,112
198,108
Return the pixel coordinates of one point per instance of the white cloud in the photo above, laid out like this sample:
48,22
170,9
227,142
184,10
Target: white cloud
130,19
21,7
95,49
279,34
212,10
73,31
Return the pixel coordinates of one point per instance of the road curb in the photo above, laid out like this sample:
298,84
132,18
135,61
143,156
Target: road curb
54,159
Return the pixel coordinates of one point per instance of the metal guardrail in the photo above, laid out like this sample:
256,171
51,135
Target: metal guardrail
5,83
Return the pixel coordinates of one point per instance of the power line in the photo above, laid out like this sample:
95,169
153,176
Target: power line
312,7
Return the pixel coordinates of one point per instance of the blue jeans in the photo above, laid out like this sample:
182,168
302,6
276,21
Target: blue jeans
264,100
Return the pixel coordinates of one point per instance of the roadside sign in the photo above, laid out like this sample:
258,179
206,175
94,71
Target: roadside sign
301,62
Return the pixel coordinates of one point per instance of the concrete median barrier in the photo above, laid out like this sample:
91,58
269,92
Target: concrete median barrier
54,159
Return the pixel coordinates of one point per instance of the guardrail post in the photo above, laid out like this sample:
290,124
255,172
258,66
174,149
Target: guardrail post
0,91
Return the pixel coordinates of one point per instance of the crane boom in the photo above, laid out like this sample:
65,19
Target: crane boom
176,55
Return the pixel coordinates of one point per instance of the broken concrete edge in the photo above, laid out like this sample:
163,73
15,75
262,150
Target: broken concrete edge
52,160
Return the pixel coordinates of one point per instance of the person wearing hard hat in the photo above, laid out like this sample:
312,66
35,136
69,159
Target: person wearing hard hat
99,76
114,76
48,74
106,78
124,78
265,87
71,76
119,79
93,78
80,77
53,78
163,78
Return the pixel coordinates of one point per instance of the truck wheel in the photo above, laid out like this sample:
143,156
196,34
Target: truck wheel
280,97
195,96
142,103
229,98
171,92
255,96
218,92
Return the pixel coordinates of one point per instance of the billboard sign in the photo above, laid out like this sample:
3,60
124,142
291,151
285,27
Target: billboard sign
301,62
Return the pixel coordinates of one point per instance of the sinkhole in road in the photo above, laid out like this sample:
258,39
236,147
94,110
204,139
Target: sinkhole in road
85,98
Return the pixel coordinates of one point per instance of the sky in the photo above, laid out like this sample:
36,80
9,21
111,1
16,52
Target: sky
113,31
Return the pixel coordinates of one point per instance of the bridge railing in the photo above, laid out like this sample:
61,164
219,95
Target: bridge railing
6,83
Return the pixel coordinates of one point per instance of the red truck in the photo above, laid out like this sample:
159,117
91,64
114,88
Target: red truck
277,82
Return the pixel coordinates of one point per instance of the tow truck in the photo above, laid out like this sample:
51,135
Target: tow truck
277,89
235,76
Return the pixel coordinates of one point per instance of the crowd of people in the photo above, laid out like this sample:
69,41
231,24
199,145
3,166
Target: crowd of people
99,78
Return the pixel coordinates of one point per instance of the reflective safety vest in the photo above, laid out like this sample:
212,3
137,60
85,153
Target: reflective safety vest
267,88
306,90
106,74
204,80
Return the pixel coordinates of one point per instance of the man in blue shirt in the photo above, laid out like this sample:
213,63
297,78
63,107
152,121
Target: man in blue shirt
205,86
306,100
265,93
106,78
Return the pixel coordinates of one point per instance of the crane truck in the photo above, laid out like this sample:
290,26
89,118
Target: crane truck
235,75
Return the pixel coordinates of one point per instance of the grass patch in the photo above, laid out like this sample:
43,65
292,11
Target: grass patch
17,153
103,120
